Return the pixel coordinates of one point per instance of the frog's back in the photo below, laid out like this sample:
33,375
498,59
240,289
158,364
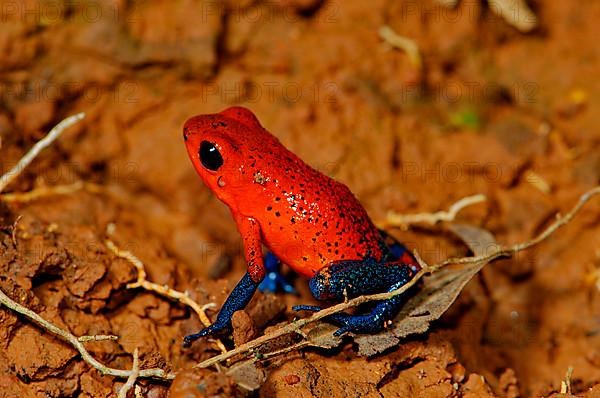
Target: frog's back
308,219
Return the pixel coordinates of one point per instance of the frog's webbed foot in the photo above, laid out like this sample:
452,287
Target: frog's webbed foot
274,281
211,330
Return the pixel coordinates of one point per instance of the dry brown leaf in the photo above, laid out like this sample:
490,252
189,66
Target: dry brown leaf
321,335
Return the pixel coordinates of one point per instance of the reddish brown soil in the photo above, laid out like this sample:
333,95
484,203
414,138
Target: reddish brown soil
319,78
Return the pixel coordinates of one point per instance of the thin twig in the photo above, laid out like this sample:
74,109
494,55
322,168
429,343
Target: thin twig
409,46
396,220
13,173
78,345
14,231
565,385
163,290
99,337
515,12
135,372
500,251
537,181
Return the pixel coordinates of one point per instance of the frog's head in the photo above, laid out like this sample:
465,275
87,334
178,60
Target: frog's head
220,146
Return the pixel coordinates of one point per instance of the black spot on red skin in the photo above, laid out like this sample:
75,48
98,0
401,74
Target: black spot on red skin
219,124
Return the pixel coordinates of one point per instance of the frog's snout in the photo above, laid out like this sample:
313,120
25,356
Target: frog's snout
193,126
201,124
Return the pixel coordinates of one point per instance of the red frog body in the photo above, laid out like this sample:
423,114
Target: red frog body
309,221
306,219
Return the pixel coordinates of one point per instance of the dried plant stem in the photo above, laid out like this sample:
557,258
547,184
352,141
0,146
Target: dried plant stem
99,337
515,12
499,251
565,385
397,220
409,46
135,373
13,173
163,290
537,181
78,345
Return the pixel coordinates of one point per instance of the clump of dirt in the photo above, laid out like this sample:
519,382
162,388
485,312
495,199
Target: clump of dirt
494,111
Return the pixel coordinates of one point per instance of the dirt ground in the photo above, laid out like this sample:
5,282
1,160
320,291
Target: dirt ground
493,111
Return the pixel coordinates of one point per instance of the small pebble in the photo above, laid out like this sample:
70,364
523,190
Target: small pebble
292,379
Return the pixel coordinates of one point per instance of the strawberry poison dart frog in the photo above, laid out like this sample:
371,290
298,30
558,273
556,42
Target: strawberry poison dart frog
310,222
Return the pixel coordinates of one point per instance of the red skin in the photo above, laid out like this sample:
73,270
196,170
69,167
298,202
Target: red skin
308,220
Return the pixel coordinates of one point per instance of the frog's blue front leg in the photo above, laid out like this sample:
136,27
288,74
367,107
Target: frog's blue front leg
274,281
237,300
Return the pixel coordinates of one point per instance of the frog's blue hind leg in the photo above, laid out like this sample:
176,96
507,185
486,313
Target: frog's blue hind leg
354,278
274,281
373,322
397,251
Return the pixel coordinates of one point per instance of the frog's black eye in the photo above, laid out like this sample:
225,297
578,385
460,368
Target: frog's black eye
210,156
